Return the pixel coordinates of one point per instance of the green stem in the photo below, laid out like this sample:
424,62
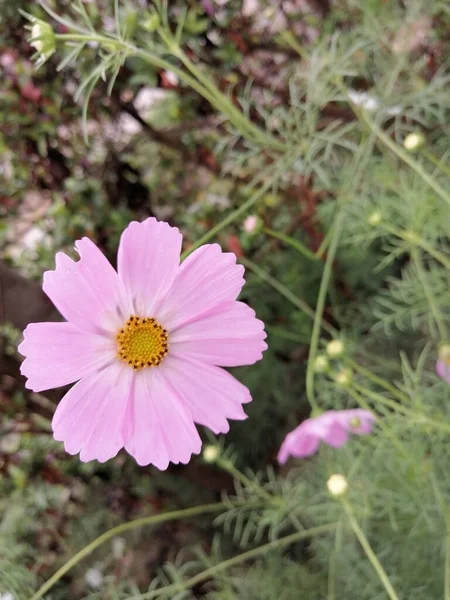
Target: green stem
376,379
435,160
144,521
228,466
301,248
175,588
381,399
286,292
403,155
369,552
201,84
429,295
318,317
287,335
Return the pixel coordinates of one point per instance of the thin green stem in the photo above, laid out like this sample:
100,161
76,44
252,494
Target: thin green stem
175,588
369,552
144,521
286,292
435,310
287,335
376,379
296,244
402,154
381,399
228,466
318,317
435,160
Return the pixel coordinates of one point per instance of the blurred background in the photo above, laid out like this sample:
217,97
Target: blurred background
157,148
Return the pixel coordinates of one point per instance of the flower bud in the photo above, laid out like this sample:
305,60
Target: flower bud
252,224
337,485
413,141
43,39
375,218
211,454
321,363
344,377
444,352
335,348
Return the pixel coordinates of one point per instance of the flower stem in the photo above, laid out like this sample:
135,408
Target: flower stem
318,317
174,588
228,466
301,248
369,552
376,379
429,295
144,521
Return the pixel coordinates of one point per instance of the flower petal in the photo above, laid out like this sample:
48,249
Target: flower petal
230,337
90,417
443,370
336,435
85,292
212,395
148,260
60,353
205,280
162,428
299,443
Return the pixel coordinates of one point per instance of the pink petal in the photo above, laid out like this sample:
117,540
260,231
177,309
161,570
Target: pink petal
443,370
60,353
85,292
335,436
162,428
299,443
205,280
148,260
89,419
230,337
212,394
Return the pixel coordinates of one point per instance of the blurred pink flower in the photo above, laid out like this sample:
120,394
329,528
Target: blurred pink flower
251,223
145,345
443,370
332,427
208,7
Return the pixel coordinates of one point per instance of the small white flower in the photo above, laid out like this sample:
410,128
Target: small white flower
335,348
337,485
7,596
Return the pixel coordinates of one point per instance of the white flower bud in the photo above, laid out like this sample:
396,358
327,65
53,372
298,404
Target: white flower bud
344,377
321,364
375,218
210,454
337,485
413,141
43,39
335,348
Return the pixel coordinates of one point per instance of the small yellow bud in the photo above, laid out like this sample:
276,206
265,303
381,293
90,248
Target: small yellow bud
210,454
335,348
413,141
344,377
321,364
444,352
375,218
337,485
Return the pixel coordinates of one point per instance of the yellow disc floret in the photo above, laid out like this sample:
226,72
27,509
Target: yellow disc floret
142,342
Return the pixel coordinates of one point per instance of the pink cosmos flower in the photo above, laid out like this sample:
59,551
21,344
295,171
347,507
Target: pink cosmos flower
145,345
332,427
443,370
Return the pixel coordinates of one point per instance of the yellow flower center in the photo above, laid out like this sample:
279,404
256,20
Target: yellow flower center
355,422
142,342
